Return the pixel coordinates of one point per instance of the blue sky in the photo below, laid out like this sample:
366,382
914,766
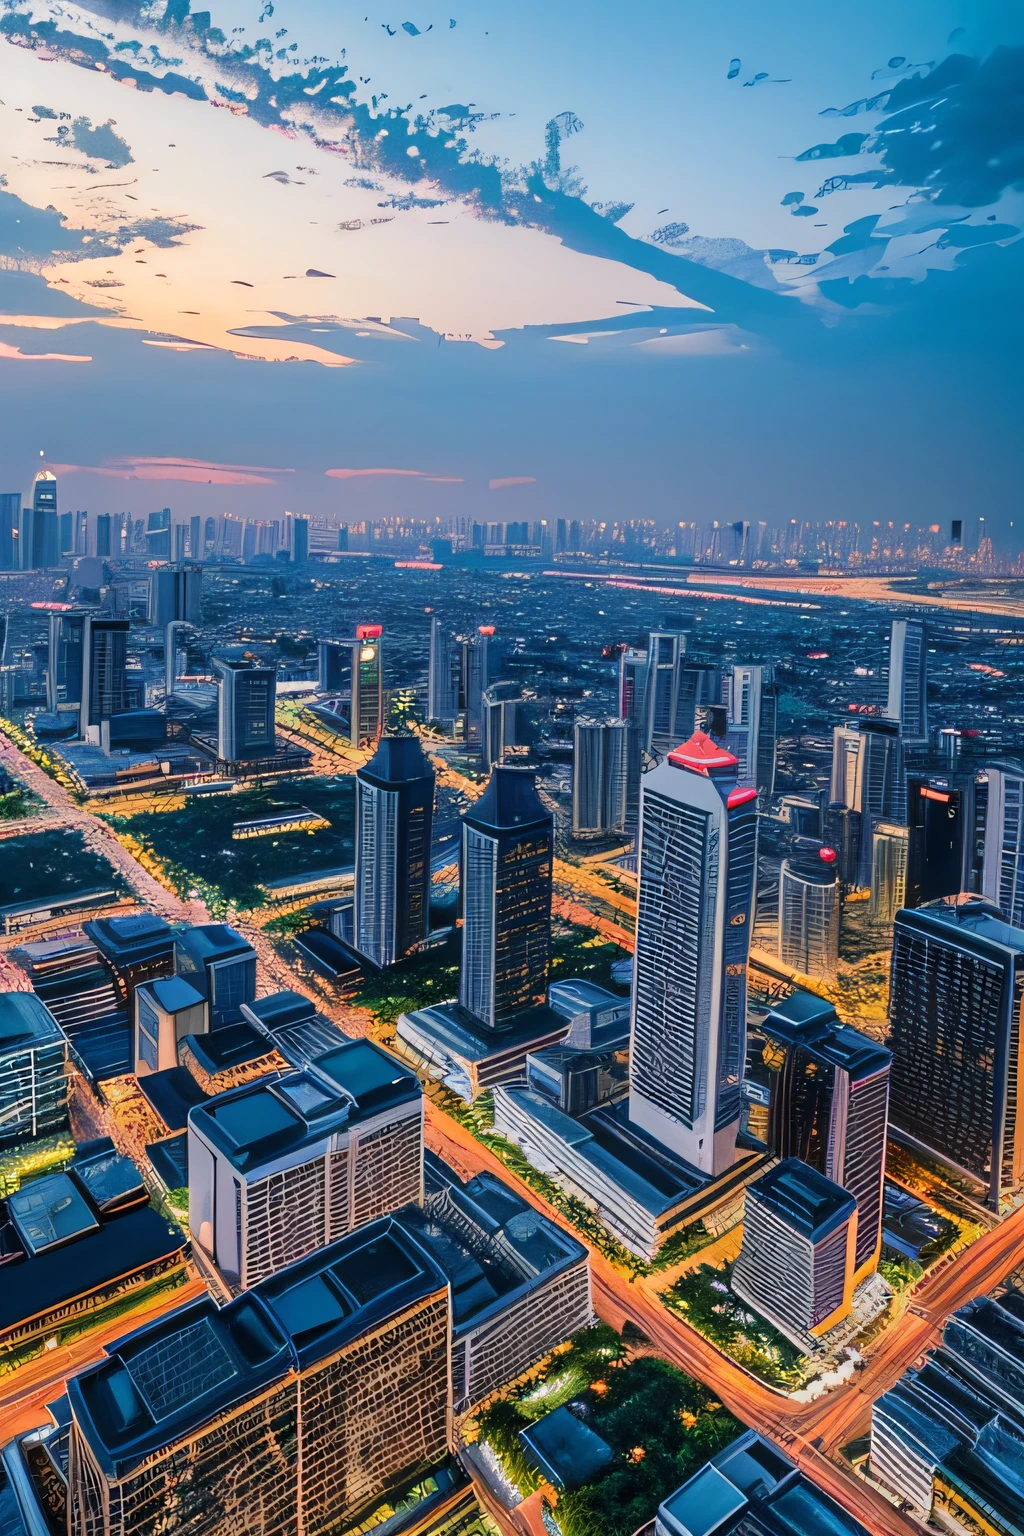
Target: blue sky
653,307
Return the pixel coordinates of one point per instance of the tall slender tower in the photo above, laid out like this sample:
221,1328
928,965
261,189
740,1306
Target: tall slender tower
698,856
507,851
442,678
1003,879
908,679
394,812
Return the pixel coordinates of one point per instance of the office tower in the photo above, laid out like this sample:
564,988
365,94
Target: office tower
908,679
561,536
697,864
33,1070
175,593
171,654
819,1090
937,824
81,533
103,543
343,537
474,680
393,820
443,674
280,1167
196,550
354,669
209,536
158,535
751,700
270,1415
809,914
632,709
954,1025
221,966
868,777
507,851
665,648
10,527
180,531
1003,869
39,540
246,700
65,662
506,724
104,670
67,534
166,1011
600,775
797,1261
300,540
888,872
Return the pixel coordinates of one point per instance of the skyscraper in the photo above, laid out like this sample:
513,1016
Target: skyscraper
393,819
103,544
954,1031
868,777
158,535
39,541
819,1090
104,670
442,676
908,679
64,667
600,771
507,851
751,700
809,914
797,1260
1003,877
665,649
195,538
632,709
697,863
354,670
937,824
474,679
888,872
175,593
246,700
300,540
10,526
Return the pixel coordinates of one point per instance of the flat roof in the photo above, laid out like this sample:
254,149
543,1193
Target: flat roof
971,918
279,1008
373,1077
468,1040
232,1046
576,996
26,1022
162,1382
704,1504
138,936
173,994
212,941
172,1093
564,1449
811,1022
808,1202
339,1292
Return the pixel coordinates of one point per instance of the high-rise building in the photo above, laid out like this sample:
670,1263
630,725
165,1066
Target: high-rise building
175,593
809,914
600,775
665,650
354,670
104,670
908,679
507,853
393,820
158,535
67,534
954,1031
868,777
65,671
81,533
818,1090
1003,869
632,709
279,1168
104,549
475,677
10,528
888,872
195,538
797,1261
33,1070
751,700
937,821
290,1409
246,701
39,540
300,540
442,676
697,864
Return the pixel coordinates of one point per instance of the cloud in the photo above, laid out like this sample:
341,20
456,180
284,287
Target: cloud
196,470
415,474
499,485
15,355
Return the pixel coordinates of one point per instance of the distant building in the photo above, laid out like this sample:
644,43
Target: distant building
600,776
1003,881
663,728
798,1257
158,535
507,854
345,1354
220,965
443,689
819,1090
33,1070
954,1025
633,709
175,593
300,540
104,548
868,777
280,1168
246,702
939,822
908,679
809,914
888,872
393,820
39,538
10,528
751,699
505,723
697,864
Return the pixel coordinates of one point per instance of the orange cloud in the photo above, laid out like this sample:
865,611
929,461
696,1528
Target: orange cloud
197,471
15,355
416,474
499,485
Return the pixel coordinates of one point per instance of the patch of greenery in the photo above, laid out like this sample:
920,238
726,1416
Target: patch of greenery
289,924
900,1273
577,956
419,982
660,1424
703,1296
13,805
34,1160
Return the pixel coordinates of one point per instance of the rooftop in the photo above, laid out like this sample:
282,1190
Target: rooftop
233,1046
212,941
701,754
565,1450
509,802
397,760
141,936
173,994
751,1487
813,1023
970,917
808,1202
26,1022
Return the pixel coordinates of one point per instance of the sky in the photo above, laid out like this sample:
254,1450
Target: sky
553,259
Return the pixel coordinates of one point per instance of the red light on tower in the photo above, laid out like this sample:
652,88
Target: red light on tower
827,855
369,631
486,629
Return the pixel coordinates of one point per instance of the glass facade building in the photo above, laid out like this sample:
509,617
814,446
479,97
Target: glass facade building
393,820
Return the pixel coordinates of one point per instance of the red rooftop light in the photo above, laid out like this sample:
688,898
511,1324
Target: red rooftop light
700,754
369,631
740,797
827,855
486,629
